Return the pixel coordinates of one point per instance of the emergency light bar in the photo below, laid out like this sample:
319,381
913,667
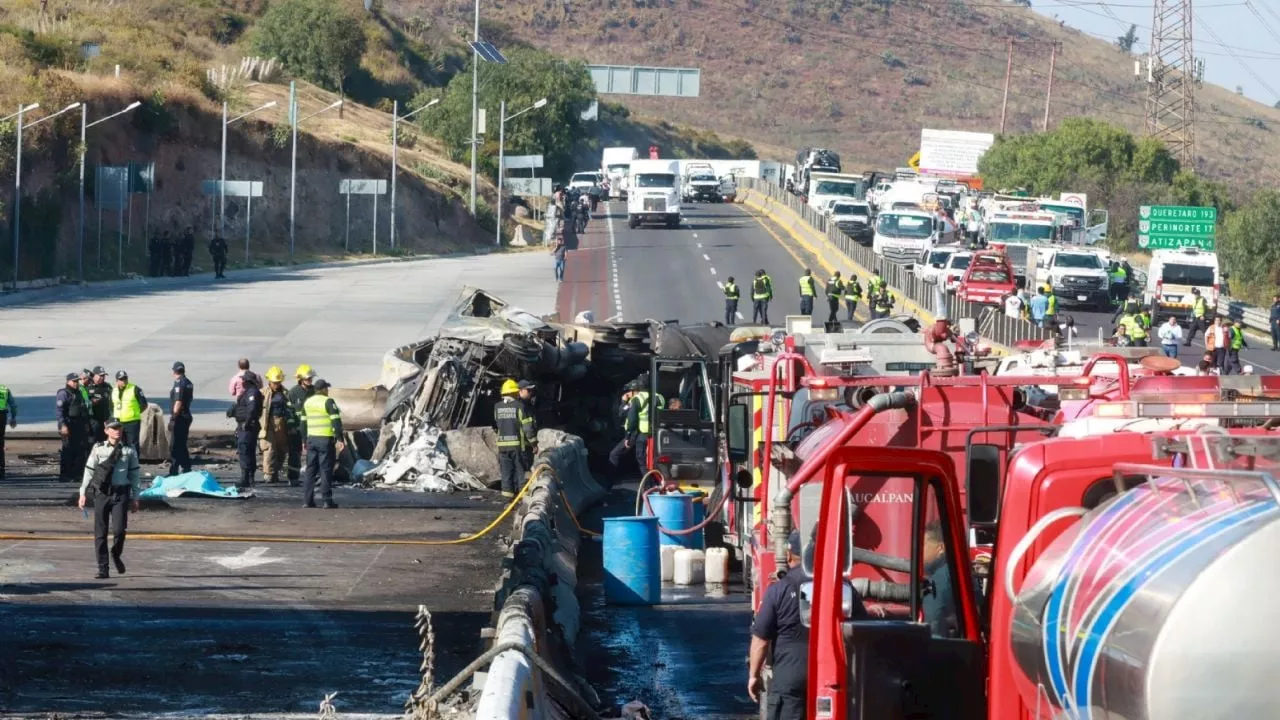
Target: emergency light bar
1187,410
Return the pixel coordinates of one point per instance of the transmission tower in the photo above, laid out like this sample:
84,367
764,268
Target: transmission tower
1171,80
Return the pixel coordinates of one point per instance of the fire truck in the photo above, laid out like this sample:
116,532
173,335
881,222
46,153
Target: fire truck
1126,565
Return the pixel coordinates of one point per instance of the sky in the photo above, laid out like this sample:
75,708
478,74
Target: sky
1238,40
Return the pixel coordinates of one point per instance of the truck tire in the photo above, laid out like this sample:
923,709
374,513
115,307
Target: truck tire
673,223
633,222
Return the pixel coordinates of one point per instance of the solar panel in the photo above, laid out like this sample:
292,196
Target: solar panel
488,52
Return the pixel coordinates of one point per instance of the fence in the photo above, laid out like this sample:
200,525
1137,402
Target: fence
926,299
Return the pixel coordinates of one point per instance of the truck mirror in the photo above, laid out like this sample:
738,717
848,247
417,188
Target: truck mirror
982,484
744,479
806,602
738,430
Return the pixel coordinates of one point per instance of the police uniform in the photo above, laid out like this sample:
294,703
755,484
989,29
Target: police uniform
111,508
322,426
127,403
761,294
511,422
100,409
298,395
731,296
247,410
8,419
180,421
807,291
73,417
852,294
835,289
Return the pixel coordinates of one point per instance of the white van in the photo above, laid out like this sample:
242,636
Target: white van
654,194
1172,276
615,165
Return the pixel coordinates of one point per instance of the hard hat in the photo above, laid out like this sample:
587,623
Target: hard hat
275,374
510,387
303,371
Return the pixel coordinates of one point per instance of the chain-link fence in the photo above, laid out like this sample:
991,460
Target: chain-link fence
992,322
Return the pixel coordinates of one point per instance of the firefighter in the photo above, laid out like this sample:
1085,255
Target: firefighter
761,294
852,294
807,290
298,395
882,303
513,442
938,606
835,289
628,440
277,419
731,296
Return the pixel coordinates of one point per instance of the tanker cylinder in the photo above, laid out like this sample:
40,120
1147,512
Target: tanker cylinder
1159,604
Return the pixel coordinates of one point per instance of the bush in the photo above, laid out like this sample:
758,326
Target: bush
892,60
320,40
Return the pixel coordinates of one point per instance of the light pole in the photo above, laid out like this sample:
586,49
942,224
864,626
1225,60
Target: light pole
502,137
396,119
293,161
475,97
84,151
17,176
222,183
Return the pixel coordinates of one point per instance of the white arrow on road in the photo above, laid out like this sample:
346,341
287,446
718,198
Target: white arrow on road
247,559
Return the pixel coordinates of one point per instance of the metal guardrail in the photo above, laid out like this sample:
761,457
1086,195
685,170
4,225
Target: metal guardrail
1253,317
992,323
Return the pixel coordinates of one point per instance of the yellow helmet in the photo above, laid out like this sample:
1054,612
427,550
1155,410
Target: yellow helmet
510,387
275,374
303,371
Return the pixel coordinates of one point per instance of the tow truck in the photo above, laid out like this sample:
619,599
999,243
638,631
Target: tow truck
988,279
1125,565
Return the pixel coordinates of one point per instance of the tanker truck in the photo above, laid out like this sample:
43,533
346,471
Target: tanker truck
1132,579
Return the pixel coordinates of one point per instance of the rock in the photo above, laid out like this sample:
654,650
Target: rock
521,237
475,450
521,212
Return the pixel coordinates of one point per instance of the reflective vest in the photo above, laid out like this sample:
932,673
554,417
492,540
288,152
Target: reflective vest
508,420
835,288
806,285
4,399
84,395
642,397
876,283
1133,327
1119,275
884,302
1237,338
1200,307
1145,319
125,403
731,291
320,422
761,288
852,290
1053,305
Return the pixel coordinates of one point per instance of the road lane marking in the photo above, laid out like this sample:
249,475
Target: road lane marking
706,257
740,316
713,271
613,260
366,570
719,284
249,558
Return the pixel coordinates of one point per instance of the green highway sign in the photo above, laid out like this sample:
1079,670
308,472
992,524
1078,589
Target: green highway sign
1168,227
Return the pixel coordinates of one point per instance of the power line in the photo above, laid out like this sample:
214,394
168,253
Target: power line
1247,68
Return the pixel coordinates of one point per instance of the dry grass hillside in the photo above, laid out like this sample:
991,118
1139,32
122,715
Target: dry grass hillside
863,76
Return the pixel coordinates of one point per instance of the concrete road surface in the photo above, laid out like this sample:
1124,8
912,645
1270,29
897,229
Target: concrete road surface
339,320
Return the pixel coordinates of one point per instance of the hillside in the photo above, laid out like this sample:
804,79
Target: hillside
863,76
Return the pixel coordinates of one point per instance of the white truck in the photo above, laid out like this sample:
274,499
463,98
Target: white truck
615,165
1078,276
826,187
1018,231
700,184
1173,274
1075,207
654,193
903,235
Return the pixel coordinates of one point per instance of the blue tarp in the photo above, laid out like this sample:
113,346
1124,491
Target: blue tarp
200,482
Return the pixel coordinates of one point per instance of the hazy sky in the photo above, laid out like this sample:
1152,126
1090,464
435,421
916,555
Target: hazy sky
1248,28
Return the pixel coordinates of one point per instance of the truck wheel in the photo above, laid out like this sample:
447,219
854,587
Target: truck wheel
673,223
633,222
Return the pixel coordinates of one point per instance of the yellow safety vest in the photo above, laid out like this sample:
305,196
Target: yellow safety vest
1133,327
1053,305
126,405
852,290
320,423
1237,338
806,285
874,286
731,291
1200,308
643,415
4,399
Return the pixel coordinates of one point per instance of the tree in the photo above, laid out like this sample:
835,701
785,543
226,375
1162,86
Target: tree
528,76
1126,41
1249,245
318,40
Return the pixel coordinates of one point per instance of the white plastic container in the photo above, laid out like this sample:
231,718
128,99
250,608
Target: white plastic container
690,567
717,568
667,557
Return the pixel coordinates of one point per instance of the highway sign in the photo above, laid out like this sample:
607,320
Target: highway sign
522,162
914,162
355,186
1167,227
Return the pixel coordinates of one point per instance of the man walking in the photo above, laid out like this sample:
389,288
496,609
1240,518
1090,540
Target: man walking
1275,323
807,291
73,426
1199,317
218,251
298,395
186,248
761,294
835,289
731,295
852,294
561,254
100,408
127,403
514,443
277,417
8,419
112,478
247,411
322,425
1170,336
180,397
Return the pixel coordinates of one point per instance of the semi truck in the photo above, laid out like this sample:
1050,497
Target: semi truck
615,166
653,196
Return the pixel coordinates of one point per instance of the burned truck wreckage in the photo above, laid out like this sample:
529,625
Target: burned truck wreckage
436,431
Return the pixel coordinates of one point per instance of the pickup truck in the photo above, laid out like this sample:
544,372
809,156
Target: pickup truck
945,265
853,217
988,280
1078,276
701,186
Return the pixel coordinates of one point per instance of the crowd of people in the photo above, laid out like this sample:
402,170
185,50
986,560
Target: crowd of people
169,256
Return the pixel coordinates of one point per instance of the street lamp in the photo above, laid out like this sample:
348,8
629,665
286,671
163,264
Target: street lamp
502,132
222,184
293,162
84,126
396,119
17,175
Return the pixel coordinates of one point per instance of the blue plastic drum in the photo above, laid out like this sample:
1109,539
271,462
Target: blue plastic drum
632,567
675,511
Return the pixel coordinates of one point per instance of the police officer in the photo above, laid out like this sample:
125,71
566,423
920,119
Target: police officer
218,251
114,491
322,426
298,395
167,252
100,408
835,289
619,450
73,426
731,296
780,638
8,419
852,294
639,419
882,303
180,397
761,294
807,290
511,423
247,410
1235,341
127,403
1199,316
186,249
277,418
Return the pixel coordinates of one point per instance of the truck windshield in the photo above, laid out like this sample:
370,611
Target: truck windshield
904,226
656,180
588,178
1024,232
1199,275
1071,211
704,178
835,187
849,209
1085,262
960,262
939,257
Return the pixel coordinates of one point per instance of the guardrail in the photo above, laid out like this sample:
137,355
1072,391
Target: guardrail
1254,317
925,298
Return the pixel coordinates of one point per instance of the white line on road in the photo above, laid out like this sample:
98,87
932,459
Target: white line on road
613,261
706,257
696,235
366,570
713,271
719,284
740,316
699,246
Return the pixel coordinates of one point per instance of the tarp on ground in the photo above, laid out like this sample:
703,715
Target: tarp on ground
199,482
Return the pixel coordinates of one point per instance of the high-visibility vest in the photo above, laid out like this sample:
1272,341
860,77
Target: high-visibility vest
84,395
1237,338
760,289
508,422
884,302
876,283
1133,327
1200,307
1053,305
642,397
320,422
1145,320
731,291
806,285
125,403
852,290
4,399
1119,275
835,288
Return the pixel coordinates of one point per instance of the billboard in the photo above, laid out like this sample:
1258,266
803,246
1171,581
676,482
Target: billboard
952,153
